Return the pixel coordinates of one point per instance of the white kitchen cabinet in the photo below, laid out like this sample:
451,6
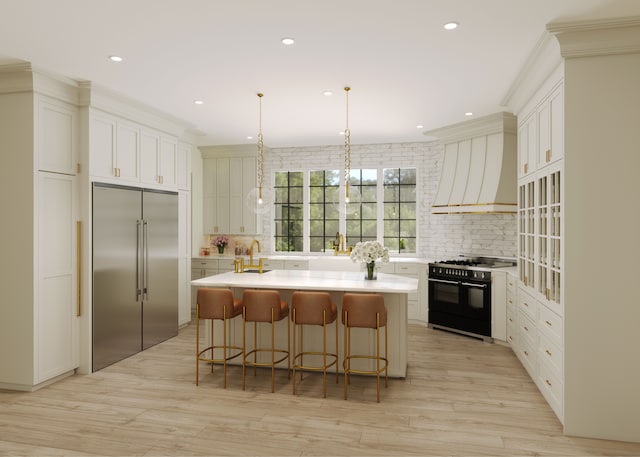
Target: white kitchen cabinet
184,257
541,132
168,163
184,166
39,326
56,139
512,311
124,152
226,183
56,314
149,157
550,118
242,172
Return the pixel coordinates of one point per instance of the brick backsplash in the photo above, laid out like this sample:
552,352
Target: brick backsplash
440,235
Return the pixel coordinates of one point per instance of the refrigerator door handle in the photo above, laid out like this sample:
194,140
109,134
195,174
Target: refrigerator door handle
138,258
145,265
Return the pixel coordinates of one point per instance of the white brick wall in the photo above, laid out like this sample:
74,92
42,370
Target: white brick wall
440,235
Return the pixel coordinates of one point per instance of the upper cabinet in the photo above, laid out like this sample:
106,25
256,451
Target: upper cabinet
541,133
56,135
228,177
129,153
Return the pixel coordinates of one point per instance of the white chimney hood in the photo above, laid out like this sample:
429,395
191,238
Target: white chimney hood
479,167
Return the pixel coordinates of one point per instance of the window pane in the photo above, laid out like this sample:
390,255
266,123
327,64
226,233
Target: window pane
408,176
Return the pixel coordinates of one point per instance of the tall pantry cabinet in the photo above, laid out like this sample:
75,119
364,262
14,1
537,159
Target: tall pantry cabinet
539,316
39,321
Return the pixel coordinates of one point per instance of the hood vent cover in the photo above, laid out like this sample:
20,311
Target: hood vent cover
479,167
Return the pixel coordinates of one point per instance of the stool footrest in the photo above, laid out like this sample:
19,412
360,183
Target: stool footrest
265,364
313,368
222,360
383,367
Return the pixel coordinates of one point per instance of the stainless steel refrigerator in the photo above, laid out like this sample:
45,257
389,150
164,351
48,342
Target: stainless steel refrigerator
135,271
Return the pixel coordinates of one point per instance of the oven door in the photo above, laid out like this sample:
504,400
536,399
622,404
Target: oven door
460,305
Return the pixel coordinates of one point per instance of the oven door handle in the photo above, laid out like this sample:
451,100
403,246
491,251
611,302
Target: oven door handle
477,286
443,281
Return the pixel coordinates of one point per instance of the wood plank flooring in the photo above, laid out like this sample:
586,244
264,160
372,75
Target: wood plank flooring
461,397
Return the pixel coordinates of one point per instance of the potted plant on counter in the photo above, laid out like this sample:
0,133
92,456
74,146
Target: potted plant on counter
221,242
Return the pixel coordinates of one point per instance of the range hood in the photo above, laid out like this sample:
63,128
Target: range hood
479,167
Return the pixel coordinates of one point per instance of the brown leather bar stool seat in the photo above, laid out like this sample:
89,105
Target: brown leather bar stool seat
365,311
216,304
264,306
313,308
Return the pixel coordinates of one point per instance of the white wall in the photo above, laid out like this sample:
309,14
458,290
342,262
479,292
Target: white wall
440,236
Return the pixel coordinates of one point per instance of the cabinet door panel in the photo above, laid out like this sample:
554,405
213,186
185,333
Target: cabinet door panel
56,301
168,163
102,142
149,153
56,135
127,152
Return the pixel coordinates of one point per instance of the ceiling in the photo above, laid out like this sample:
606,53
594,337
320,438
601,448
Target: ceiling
403,68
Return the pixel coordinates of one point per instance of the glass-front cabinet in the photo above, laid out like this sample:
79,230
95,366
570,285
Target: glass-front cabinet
539,232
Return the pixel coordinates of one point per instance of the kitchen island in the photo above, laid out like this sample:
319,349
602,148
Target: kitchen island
394,289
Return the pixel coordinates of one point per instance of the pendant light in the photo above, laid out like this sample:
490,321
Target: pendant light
257,198
351,195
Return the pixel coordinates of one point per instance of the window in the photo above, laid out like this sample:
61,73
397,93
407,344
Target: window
400,209
324,217
289,214
362,220
308,216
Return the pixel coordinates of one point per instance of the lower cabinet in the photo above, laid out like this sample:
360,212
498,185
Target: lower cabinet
539,343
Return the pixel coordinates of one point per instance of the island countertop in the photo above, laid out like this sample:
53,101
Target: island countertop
394,289
346,281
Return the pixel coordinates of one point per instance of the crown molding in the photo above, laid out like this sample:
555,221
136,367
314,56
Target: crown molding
493,123
601,37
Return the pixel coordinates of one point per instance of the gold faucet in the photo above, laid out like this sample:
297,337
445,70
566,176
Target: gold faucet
338,245
251,264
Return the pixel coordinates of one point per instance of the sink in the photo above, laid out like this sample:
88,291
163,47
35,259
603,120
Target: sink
255,271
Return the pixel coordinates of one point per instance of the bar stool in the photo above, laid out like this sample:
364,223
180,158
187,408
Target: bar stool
364,311
216,304
264,306
313,308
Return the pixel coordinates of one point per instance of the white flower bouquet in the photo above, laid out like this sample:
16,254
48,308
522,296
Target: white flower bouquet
369,251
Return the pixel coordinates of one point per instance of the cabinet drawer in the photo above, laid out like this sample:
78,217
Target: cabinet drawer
269,264
528,306
512,336
551,325
552,388
385,267
551,354
410,269
226,265
527,355
296,265
527,328
209,264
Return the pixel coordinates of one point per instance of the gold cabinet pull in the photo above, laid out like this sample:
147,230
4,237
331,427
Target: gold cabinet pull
525,327
548,323
548,153
548,382
526,353
548,352
526,167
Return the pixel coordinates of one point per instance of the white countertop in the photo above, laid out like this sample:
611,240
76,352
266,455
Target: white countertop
228,256
348,281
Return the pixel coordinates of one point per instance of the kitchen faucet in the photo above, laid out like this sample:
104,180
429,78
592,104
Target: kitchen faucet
338,245
251,264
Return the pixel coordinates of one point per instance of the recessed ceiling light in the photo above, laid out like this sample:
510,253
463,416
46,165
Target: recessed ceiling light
287,41
327,92
468,113
342,133
451,26
419,126
116,58
249,138
198,102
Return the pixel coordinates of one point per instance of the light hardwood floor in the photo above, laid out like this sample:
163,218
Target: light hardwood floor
461,397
